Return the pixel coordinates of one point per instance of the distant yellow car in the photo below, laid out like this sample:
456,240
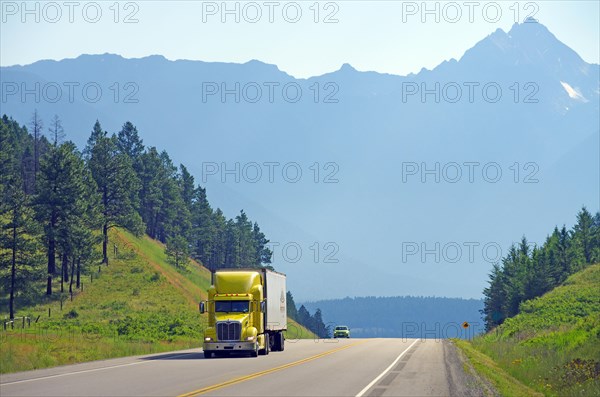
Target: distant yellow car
341,331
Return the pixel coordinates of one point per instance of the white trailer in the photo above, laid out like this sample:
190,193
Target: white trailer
275,295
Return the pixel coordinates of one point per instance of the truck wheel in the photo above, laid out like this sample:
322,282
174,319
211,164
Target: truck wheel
265,351
207,354
254,353
282,343
267,344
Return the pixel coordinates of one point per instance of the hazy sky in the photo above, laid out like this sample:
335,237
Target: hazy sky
386,36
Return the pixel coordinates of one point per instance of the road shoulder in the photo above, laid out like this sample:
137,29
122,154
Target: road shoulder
463,379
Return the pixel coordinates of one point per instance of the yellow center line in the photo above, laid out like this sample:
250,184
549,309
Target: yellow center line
266,372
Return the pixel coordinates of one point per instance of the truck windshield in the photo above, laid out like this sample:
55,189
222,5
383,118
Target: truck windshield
341,328
232,306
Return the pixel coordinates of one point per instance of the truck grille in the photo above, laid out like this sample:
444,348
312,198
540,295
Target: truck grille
229,330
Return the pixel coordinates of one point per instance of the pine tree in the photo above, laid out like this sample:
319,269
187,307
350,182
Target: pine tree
178,251
203,232
66,203
174,217
20,262
232,245
186,186
7,158
97,134
151,178
129,142
84,239
583,236
27,165
292,311
57,132
549,253
320,329
510,269
117,184
539,279
563,250
596,239
263,253
494,298
219,246
17,151
178,227
246,247
36,129
304,317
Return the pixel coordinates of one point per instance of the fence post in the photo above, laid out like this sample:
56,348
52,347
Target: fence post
48,312
23,327
61,302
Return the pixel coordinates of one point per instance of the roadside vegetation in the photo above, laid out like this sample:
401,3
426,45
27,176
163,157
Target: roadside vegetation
529,271
553,345
542,312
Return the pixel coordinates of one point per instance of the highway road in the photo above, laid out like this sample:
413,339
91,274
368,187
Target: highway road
354,367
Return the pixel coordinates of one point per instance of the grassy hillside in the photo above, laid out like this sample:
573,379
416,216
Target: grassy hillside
553,345
138,304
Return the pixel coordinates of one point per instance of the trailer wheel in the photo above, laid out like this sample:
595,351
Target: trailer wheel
279,342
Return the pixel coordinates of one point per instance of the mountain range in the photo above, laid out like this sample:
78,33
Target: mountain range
366,183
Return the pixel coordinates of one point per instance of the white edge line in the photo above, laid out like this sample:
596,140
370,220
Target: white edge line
82,372
381,375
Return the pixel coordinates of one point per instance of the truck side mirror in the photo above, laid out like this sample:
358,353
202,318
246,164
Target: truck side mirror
263,306
202,307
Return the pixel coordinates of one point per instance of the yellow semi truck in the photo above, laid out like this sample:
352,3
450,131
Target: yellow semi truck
247,312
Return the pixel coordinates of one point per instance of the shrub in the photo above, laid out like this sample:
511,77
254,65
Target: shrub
155,277
71,314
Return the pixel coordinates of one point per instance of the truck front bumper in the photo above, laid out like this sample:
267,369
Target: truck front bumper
230,346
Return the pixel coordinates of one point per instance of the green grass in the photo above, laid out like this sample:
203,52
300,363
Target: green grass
504,383
139,304
553,345
33,348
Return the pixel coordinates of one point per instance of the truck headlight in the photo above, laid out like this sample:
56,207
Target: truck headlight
207,339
